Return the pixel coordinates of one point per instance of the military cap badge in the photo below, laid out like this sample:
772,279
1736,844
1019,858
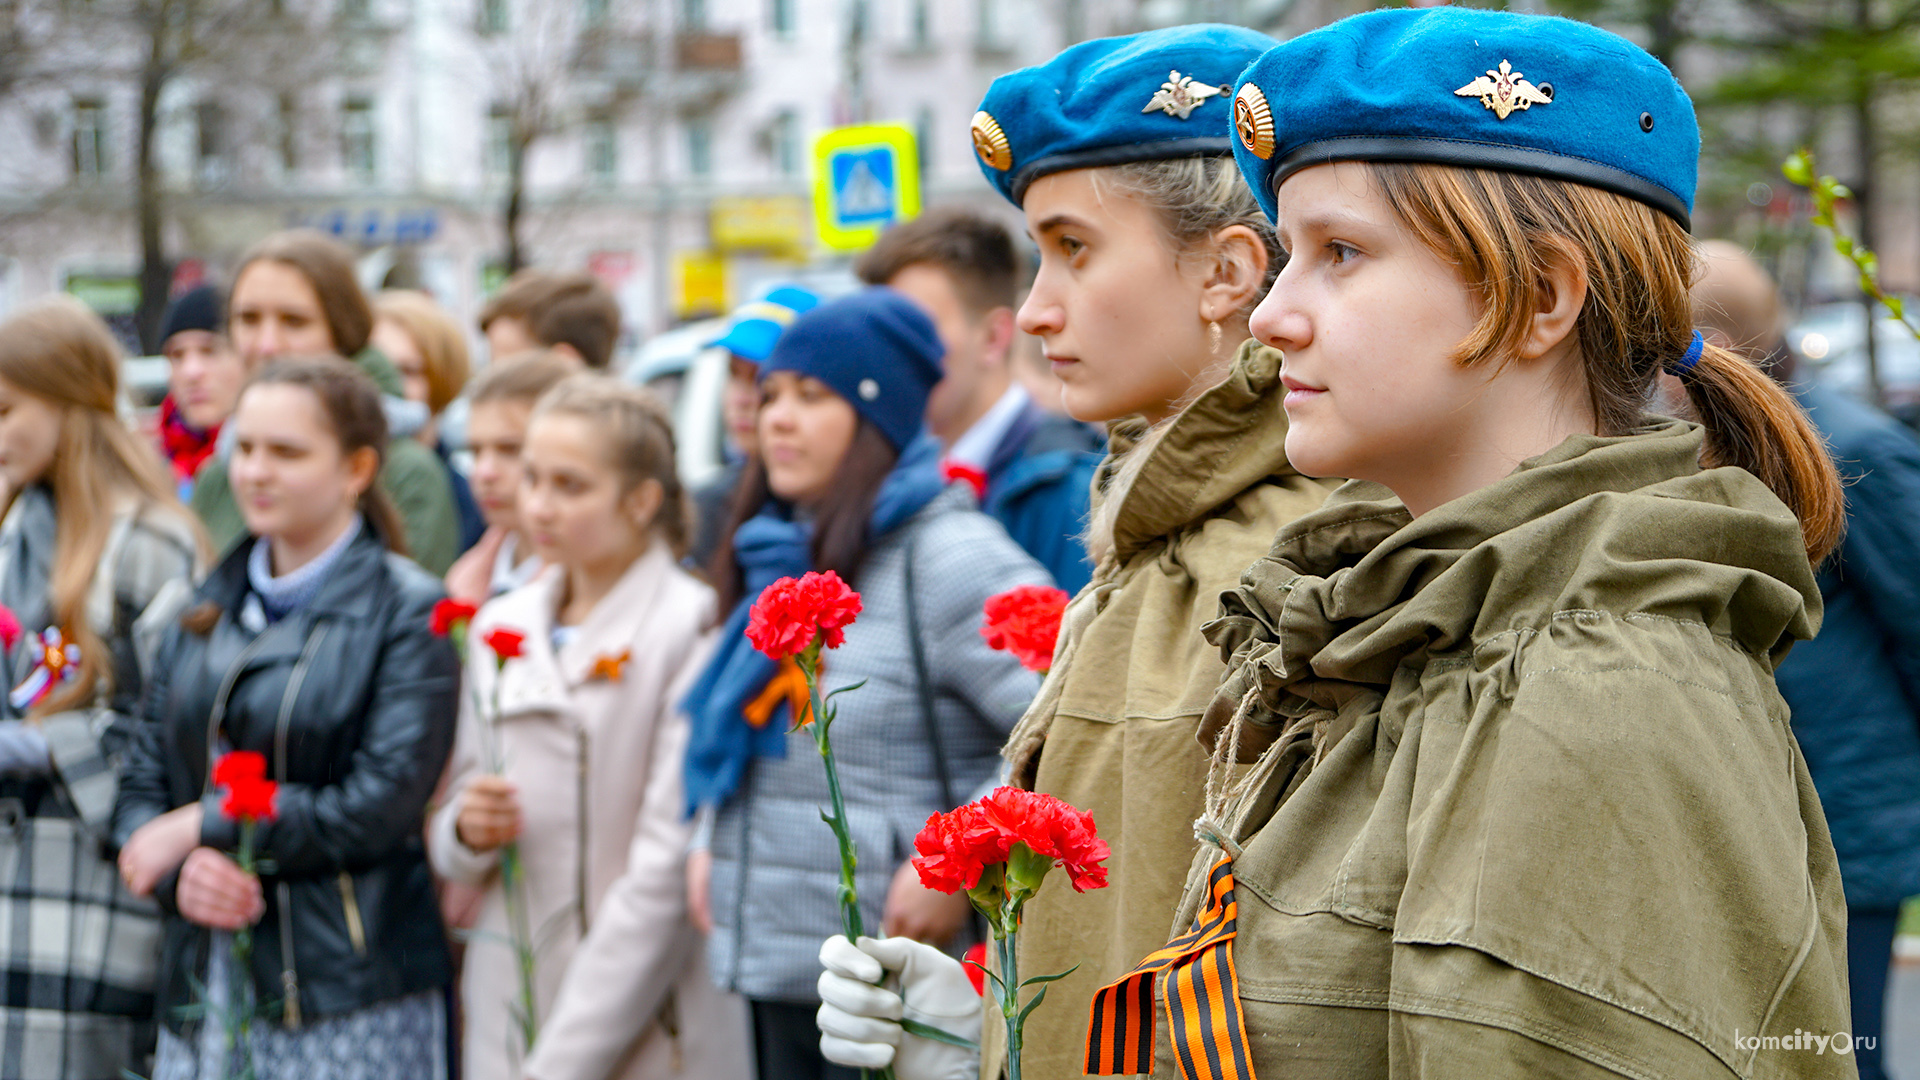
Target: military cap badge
1180,95
1253,121
991,143
1505,91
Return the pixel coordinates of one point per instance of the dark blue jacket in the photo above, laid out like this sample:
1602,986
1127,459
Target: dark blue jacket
1039,482
1855,689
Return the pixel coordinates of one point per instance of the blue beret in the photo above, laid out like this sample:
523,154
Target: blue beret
757,325
1477,89
1143,97
876,349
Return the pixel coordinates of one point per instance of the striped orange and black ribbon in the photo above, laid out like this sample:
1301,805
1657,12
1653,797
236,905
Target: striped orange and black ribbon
1209,1033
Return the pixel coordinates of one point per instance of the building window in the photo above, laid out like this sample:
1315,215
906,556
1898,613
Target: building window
493,16
593,13
287,120
920,24
499,148
786,142
210,130
923,130
356,139
781,17
693,16
602,147
89,138
700,147
991,30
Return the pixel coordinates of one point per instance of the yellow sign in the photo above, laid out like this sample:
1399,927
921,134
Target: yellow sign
864,179
774,223
700,284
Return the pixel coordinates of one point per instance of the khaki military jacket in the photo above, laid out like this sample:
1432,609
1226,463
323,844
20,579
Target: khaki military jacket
1531,805
1113,728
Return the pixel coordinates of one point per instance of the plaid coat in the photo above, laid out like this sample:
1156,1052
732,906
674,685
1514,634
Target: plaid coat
80,953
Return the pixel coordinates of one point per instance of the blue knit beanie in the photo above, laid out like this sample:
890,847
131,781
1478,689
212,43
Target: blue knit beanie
876,349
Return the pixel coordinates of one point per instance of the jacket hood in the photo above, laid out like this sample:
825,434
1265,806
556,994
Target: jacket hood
1627,525
1229,439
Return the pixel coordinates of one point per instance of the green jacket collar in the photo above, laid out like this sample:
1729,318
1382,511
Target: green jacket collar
1229,439
1624,525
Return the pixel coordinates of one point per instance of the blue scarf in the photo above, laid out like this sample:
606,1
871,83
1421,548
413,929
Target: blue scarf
770,546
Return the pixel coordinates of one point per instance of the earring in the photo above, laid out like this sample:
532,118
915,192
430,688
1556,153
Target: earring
1213,338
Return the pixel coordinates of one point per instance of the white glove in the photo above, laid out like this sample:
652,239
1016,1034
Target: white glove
857,1018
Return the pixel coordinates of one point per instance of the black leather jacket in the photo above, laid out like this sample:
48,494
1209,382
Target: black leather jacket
352,701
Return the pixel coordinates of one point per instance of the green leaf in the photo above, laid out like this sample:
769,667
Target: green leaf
1031,1005
1048,978
1843,245
1895,305
1798,168
1838,189
844,690
927,1031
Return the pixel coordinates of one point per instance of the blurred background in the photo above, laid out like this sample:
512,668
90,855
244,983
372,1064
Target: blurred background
670,147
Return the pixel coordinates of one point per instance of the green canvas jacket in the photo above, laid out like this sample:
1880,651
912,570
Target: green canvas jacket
1531,804
1112,731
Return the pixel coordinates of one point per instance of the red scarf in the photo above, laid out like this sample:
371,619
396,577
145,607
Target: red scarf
185,447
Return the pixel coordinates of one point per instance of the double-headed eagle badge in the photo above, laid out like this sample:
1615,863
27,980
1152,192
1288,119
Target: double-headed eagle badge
1180,95
1505,91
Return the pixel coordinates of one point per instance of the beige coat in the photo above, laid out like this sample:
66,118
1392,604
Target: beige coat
1113,730
622,987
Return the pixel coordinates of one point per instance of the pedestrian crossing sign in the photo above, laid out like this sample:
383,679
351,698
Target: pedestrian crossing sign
865,178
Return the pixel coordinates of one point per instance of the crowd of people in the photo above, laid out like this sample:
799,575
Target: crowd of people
1492,708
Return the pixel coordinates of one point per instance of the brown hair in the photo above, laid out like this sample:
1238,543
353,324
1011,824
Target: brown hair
1503,230
1196,198
522,377
328,267
442,345
351,403
637,435
973,249
59,351
840,537
580,313
575,310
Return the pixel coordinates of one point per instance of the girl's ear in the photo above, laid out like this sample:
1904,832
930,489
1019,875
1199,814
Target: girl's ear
642,504
1561,298
363,468
1239,268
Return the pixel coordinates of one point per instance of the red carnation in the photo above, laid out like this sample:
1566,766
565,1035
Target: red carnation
505,643
9,628
792,612
250,795
450,613
955,849
1025,622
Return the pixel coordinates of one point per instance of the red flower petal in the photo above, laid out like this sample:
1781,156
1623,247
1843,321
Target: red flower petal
449,613
505,643
9,628
792,612
1025,622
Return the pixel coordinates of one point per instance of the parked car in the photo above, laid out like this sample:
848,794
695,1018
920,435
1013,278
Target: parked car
1830,341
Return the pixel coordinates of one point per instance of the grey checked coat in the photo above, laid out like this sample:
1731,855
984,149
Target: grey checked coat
775,867
76,1000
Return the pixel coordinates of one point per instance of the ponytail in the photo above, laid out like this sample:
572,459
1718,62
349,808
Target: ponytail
1499,227
1756,425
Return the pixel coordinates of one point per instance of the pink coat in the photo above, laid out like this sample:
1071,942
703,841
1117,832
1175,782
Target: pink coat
622,989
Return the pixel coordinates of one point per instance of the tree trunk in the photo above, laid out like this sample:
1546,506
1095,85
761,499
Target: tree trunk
516,199
1866,136
156,275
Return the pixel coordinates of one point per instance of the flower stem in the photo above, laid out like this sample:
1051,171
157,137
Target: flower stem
1010,998
513,882
240,1009
850,919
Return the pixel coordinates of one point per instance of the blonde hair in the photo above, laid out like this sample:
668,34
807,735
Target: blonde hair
1505,230
1194,198
638,440
442,344
59,351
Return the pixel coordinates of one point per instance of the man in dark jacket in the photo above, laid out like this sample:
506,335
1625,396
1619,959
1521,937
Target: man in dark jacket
1031,468
1855,689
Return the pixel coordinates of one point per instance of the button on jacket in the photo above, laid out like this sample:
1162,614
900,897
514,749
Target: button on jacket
352,701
